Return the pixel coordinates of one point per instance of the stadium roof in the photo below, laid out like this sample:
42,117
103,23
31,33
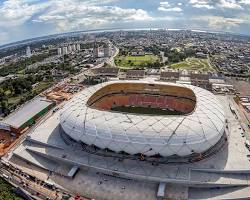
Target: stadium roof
135,133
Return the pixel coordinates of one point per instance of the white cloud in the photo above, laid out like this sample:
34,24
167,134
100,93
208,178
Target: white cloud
164,4
220,22
247,2
232,4
201,4
173,9
166,7
68,14
212,4
73,14
17,12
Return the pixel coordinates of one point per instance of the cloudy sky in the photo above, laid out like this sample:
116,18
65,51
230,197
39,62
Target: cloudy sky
23,19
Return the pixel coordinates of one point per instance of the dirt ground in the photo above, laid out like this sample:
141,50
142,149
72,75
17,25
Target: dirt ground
243,87
5,141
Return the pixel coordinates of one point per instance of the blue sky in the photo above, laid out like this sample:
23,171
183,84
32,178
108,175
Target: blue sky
23,19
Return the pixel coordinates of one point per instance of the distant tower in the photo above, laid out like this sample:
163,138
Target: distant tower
73,47
107,50
59,51
65,50
28,52
78,47
69,48
96,50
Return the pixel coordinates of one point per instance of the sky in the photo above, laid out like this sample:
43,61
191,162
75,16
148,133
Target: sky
24,19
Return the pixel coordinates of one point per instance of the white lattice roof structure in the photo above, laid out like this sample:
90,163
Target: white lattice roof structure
166,135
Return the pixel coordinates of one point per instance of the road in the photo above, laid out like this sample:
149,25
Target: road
32,186
242,117
111,59
20,182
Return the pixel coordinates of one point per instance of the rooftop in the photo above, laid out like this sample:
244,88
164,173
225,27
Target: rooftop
27,111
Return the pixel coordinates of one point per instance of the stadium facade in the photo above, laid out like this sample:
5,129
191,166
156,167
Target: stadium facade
186,119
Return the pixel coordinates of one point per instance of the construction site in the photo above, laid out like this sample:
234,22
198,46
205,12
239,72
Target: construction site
24,118
62,92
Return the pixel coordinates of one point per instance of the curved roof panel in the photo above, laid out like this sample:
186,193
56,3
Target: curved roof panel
149,134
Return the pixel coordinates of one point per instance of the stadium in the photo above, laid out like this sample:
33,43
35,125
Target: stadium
154,119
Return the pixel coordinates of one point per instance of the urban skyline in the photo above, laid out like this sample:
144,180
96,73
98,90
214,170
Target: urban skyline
23,19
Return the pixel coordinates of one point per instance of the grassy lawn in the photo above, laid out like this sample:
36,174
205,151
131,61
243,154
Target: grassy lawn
14,100
130,62
193,64
21,72
42,86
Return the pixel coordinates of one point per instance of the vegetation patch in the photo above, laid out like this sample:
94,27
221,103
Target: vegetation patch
41,86
15,92
193,64
6,192
130,62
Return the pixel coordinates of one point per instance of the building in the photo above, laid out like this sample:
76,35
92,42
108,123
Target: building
107,50
96,51
64,50
59,51
127,131
171,76
201,55
135,74
78,47
201,80
28,114
59,74
28,52
106,71
73,47
137,53
70,49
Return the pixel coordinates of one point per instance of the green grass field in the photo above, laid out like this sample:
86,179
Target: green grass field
130,62
193,64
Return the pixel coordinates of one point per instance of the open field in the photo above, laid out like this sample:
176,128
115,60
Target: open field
241,86
129,62
193,64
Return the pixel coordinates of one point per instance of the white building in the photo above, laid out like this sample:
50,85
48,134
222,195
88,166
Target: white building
59,51
195,131
107,51
78,47
73,47
69,49
96,51
65,50
28,52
